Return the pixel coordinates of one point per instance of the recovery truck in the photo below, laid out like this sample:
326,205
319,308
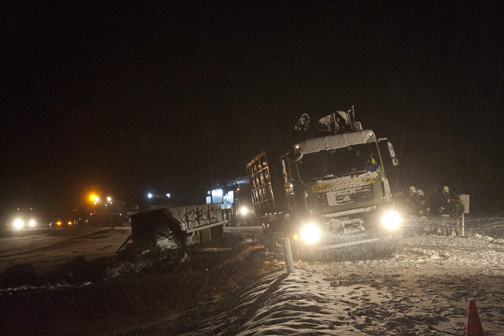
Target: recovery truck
328,191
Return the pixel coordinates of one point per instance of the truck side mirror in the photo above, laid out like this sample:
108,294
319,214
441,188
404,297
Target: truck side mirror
390,161
395,162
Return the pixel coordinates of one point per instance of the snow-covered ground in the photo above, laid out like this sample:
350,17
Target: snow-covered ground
423,289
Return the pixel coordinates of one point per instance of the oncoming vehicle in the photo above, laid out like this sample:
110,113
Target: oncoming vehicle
24,219
329,191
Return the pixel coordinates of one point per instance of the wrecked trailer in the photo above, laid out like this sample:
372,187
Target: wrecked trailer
178,227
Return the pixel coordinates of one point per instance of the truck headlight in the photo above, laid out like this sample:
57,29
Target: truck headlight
391,220
18,223
243,211
310,233
31,223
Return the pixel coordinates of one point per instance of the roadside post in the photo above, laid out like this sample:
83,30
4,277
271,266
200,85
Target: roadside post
465,199
289,263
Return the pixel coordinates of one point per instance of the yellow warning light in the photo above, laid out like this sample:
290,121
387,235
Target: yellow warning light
58,223
69,223
295,237
297,146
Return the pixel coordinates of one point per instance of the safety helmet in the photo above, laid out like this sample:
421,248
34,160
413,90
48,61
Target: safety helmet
420,192
445,188
412,189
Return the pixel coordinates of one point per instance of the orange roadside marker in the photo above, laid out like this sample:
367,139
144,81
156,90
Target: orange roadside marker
474,327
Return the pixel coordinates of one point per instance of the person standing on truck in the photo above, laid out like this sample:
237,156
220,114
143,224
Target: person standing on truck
457,213
444,211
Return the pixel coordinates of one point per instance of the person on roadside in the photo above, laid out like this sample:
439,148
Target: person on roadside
457,213
421,211
444,211
433,203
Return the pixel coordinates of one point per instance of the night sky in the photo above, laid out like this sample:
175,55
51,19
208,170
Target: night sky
124,97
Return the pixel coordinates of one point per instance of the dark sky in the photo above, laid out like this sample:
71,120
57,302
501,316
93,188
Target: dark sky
125,97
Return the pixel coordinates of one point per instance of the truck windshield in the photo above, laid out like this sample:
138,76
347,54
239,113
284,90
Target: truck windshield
338,162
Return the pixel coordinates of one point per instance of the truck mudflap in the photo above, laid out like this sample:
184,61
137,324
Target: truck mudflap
362,249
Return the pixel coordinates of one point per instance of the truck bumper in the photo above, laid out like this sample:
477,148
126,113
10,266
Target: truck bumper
362,249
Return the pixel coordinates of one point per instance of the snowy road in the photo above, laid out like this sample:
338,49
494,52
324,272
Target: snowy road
423,290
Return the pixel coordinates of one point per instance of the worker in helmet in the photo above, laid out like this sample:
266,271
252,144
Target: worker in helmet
457,213
444,211
433,203
421,204
421,211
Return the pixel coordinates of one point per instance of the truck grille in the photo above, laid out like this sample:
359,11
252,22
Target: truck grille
346,196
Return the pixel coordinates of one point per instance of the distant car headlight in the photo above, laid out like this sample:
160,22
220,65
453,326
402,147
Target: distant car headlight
31,223
391,220
310,233
18,223
243,211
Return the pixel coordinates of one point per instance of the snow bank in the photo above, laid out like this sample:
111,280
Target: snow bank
422,290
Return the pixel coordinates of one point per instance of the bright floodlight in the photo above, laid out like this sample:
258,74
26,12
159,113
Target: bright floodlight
109,199
31,223
149,195
168,195
18,223
311,233
243,210
391,220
